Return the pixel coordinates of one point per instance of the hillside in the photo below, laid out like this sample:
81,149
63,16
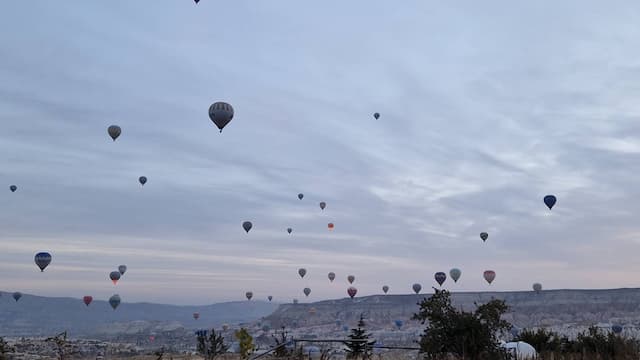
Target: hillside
36,315
527,308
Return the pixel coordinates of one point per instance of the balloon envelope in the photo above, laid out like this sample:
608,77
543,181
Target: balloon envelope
484,236
249,295
351,291
114,301
114,276
142,180
300,196
122,269
302,272
330,226
550,201
196,315
331,276
440,277
385,289
17,295
455,274
289,230
221,114
398,323
306,291
13,188
87,300
617,329
42,259
270,297
323,205
247,225
489,275
376,116
537,287
114,131
416,288
351,279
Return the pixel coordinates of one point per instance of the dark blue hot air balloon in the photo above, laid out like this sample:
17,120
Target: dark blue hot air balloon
617,329
13,188
42,259
17,295
398,323
440,277
550,201
114,301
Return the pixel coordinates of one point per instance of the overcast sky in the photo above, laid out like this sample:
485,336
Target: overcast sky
485,108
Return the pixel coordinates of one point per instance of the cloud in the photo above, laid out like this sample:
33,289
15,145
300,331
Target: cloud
483,112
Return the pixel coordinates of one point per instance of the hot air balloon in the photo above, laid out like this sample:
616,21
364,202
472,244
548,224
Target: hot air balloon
323,205
114,301
114,131
221,114
306,291
331,276
550,201
87,300
352,292
330,226
142,180
289,230
122,269
385,289
300,196
455,274
489,275
269,297
42,259
416,288
249,295
440,277
17,295
225,327
295,301
196,1
312,311
152,338
345,328
351,279
114,276
376,116
247,225
196,315
617,329
537,287
302,272
13,188
484,236
399,323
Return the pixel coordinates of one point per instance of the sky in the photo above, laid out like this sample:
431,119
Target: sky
485,108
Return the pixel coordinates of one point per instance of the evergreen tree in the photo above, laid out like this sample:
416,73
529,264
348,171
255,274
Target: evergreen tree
212,345
358,345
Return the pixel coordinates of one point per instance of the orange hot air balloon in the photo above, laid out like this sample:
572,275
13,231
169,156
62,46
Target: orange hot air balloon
87,300
330,226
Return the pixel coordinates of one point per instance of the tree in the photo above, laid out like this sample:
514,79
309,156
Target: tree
469,335
61,344
4,349
212,345
280,350
246,343
358,345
